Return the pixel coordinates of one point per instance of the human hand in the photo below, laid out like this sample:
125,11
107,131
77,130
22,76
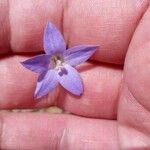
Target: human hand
115,105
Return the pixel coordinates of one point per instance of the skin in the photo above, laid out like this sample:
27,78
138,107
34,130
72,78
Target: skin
114,112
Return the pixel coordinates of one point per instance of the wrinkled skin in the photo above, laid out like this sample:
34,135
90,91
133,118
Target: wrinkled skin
115,107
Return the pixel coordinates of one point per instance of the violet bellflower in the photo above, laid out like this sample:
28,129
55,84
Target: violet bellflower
57,64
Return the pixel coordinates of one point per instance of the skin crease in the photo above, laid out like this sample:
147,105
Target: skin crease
116,100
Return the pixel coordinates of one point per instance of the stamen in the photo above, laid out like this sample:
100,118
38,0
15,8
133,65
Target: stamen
57,61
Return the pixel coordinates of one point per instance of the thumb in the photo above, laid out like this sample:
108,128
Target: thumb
134,105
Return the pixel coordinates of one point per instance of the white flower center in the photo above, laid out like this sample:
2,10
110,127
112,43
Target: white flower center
57,61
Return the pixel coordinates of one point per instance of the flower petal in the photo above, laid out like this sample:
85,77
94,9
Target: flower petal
70,79
47,81
38,63
53,40
79,54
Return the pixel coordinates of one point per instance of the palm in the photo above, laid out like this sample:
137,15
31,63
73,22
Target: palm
120,105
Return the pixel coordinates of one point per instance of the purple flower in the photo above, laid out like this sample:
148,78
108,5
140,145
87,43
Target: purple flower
56,66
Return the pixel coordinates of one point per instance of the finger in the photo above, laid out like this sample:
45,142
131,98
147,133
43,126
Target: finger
101,90
20,132
138,59
101,85
18,85
4,29
78,25
109,24
134,106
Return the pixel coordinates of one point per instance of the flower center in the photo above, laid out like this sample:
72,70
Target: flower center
57,61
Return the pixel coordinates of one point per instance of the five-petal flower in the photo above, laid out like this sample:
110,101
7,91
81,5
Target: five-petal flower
56,65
